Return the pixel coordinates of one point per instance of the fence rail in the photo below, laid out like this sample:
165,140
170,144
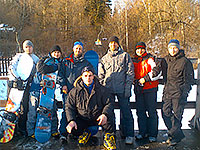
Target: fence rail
4,63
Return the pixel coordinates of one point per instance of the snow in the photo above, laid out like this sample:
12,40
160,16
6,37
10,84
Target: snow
187,116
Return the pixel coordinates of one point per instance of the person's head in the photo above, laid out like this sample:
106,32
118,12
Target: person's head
173,47
78,49
114,43
56,51
28,47
87,75
140,48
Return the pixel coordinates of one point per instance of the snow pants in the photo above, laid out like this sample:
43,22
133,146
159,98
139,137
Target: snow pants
147,114
126,117
172,111
32,116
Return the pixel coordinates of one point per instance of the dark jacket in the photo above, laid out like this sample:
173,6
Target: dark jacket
89,107
71,69
178,75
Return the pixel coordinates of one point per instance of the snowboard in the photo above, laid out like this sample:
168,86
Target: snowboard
44,111
24,68
93,58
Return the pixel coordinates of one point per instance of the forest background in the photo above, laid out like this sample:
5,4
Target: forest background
62,22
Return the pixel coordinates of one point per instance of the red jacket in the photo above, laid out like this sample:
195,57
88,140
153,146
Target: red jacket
143,68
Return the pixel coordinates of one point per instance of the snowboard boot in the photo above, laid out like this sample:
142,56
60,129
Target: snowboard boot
109,141
83,139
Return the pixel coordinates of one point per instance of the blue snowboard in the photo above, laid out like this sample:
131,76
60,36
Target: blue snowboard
93,58
45,109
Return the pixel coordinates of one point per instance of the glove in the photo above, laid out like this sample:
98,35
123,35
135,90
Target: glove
127,91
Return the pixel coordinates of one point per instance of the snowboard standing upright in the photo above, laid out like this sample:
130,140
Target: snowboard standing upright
93,58
45,109
8,117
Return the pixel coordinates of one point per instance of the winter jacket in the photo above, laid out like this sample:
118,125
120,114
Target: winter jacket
43,68
116,71
71,69
144,68
87,106
179,76
14,63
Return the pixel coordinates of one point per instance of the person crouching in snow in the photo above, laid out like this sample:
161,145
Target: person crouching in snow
43,68
90,104
145,89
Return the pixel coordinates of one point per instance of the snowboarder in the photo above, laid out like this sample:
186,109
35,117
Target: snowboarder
42,68
70,70
90,104
116,72
145,89
28,49
178,74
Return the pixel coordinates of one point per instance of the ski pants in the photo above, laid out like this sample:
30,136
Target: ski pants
147,114
126,117
32,116
172,111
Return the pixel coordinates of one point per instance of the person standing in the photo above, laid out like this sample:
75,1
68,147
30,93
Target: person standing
145,89
179,76
43,68
116,72
70,71
90,104
28,49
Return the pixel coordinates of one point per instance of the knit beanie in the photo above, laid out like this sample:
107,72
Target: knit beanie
115,39
78,43
174,42
141,45
56,48
27,43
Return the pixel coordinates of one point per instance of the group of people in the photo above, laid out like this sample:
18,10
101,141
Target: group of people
88,96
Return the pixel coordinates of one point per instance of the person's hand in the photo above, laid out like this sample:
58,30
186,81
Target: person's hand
64,89
142,81
70,126
102,119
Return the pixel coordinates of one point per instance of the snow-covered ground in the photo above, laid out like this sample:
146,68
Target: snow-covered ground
188,113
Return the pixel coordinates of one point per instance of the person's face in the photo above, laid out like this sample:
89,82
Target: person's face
28,49
140,51
113,45
88,77
56,54
173,50
78,50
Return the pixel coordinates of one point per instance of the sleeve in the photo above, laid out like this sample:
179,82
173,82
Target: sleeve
70,106
62,73
130,75
108,102
43,68
164,67
188,78
155,72
13,65
101,72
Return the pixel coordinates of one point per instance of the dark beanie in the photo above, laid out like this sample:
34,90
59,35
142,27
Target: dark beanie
56,48
87,69
141,45
115,39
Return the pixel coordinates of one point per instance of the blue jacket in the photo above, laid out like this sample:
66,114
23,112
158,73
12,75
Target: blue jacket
71,68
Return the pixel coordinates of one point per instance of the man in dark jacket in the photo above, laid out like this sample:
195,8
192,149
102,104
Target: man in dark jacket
69,72
89,104
178,75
